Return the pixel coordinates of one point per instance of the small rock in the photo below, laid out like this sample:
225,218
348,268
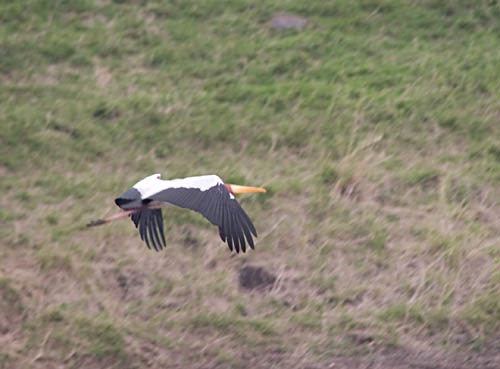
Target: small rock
283,21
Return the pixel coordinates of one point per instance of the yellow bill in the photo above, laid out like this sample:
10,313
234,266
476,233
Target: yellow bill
245,189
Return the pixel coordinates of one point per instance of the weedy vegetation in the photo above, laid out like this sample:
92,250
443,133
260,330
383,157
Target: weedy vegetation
375,128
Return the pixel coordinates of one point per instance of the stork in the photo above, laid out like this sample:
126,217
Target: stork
207,195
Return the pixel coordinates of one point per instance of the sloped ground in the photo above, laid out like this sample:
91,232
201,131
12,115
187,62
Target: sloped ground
374,126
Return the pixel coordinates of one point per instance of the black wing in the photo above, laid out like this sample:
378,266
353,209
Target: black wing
150,225
219,207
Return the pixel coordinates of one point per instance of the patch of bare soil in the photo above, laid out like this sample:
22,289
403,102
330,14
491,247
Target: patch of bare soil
404,358
395,358
253,277
12,312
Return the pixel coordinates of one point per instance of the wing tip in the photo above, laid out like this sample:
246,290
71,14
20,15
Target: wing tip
150,225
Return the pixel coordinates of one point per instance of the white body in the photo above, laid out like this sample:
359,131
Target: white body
154,184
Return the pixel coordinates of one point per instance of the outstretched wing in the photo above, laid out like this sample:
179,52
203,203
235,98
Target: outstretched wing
209,196
150,225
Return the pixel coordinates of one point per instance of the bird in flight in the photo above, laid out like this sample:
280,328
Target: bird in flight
207,195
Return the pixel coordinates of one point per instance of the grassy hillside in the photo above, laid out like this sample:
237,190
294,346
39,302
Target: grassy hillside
375,129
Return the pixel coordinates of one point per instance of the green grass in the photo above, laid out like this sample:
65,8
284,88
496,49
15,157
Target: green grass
375,130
